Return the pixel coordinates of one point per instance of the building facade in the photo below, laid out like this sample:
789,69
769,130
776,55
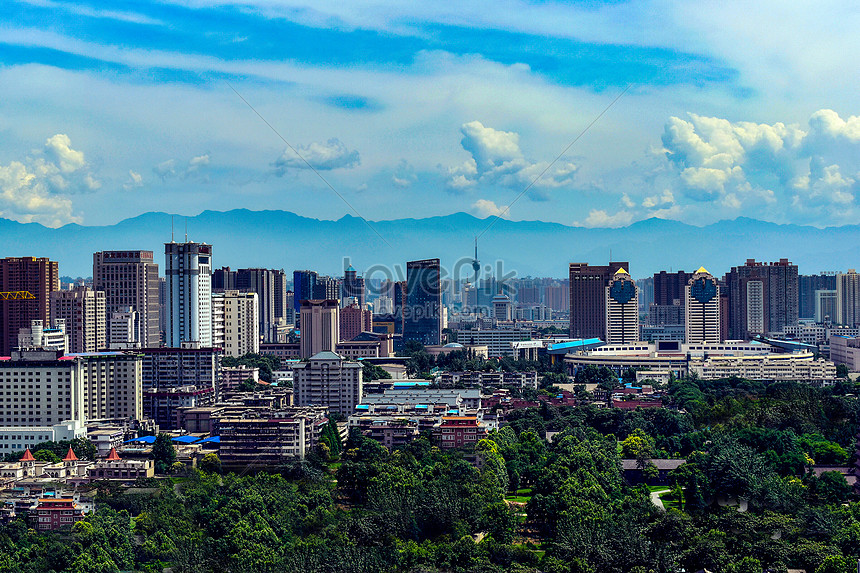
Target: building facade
188,272
763,297
320,327
329,380
235,322
588,298
38,276
422,313
130,279
622,309
702,308
83,311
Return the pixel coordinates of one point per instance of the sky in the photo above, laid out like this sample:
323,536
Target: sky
594,113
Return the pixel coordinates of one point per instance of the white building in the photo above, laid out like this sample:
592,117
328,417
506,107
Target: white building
622,309
702,308
847,298
124,330
320,327
235,322
38,336
797,366
327,379
498,340
188,302
846,350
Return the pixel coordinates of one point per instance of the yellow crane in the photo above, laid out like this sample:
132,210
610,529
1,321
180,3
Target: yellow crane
17,295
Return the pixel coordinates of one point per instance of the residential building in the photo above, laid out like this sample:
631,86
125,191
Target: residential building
796,366
588,298
702,308
39,277
130,279
162,404
269,439
123,330
459,432
622,309
83,311
188,270
327,379
224,279
848,298
57,513
320,327
112,384
173,367
422,313
763,298
669,288
262,282
354,320
806,286
235,322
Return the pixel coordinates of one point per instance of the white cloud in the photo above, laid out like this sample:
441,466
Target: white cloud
602,219
165,169
486,208
332,154
404,176
627,201
496,159
134,181
194,169
36,189
667,198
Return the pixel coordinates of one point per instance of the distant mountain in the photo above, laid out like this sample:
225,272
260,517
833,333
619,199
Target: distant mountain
280,239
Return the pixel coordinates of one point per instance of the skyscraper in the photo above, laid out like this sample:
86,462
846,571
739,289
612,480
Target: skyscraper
622,309
847,298
320,327
83,310
303,288
588,298
806,286
130,279
352,287
223,279
702,308
188,272
422,314
262,282
235,322
762,298
39,277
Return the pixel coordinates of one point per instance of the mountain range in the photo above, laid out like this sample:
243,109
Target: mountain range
281,239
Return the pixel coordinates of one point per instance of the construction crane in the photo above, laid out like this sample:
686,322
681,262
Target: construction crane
17,295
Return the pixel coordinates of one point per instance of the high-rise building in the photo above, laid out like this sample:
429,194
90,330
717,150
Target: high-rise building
320,327
327,379
352,287
303,288
130,279
188,271
702,302
41,336
762,298
422,313
354,320
83,310
283,306
622,309
847,298
235,322
123,329
39,277
327,288
262,282
825,305
503,310
806,286
223,279
669,287
588,298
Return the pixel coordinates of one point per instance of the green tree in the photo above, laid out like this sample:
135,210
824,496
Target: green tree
46,456
163,453
211,463
842,370
837,564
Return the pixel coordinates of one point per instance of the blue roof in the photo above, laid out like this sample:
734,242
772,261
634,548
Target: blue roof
186,439
213,439
362,406
574,344
142,440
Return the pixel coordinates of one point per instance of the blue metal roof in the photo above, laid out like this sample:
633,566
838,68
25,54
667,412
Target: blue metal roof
141,440
186,439
584,343
212,439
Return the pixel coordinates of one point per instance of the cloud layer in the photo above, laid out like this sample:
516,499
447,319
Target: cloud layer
332,154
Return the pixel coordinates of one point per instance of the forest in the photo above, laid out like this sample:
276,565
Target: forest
744,501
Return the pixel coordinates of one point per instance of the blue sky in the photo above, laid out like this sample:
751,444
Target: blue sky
413,109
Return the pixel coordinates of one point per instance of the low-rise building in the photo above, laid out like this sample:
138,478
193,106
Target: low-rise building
270,439
328,380
475,379
459,432
57,513
162,404
846,350
797,366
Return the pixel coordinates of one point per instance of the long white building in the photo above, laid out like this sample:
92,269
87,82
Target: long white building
188,302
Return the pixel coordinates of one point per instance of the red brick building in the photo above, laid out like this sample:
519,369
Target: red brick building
54,514
458,432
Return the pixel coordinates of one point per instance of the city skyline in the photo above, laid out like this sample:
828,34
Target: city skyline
414,111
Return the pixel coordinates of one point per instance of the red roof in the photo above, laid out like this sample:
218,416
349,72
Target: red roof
70,456
27,457
113,455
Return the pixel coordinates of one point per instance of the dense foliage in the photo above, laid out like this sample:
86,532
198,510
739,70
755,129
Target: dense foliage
744,501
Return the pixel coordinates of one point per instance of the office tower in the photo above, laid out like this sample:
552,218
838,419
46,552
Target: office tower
353,321
223,279
762,298
646,294
83,310
235,322
262,282
130,279
123,329
327,288
702,308
622,309
289,307
327,379
303,288
162,309
806,287
176,367
502,308
320,327
422,314
283,307
588,298
39,277
352,288
825,305
847,298
188,272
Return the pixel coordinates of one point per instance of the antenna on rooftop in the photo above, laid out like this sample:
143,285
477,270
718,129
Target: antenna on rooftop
171,228
186,229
